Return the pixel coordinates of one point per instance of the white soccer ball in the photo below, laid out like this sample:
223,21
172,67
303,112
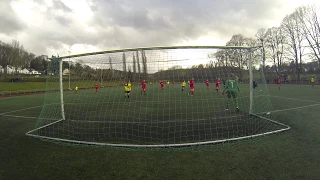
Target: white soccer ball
268,113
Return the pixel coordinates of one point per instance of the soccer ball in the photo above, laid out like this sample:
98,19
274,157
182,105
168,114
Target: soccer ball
268,113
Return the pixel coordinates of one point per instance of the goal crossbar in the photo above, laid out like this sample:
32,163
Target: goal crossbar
161,48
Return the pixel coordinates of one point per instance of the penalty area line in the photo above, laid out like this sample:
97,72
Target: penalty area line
288,109
295,99
20,110
26,117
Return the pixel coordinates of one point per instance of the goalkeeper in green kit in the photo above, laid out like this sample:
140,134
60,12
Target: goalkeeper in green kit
231,90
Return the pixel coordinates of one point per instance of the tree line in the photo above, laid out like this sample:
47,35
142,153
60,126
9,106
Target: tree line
13,54
284,49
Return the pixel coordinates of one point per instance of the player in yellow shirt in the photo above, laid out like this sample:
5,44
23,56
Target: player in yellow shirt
312,81
183,85
168,83
127,89
76,89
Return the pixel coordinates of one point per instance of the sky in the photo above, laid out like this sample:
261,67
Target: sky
50,27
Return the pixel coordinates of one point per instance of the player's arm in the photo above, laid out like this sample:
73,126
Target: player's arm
225,89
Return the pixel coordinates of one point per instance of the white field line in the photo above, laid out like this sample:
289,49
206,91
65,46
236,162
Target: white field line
27,117
20,110
295,99
27,108
156,122
288,109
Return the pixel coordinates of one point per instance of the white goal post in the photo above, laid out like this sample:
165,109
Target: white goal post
161,118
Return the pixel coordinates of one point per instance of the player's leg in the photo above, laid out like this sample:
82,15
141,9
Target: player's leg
128,93
234,96
228,99
144,91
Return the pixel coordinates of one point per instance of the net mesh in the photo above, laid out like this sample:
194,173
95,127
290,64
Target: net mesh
97,109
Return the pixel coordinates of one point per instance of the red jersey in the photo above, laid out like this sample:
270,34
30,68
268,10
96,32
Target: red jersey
161,84
278,80
218,82
172,82
207,83
143,85
97,87
191,84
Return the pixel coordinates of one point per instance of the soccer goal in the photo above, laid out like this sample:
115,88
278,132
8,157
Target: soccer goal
157,97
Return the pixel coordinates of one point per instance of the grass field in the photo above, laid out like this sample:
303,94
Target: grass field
290,155
161,117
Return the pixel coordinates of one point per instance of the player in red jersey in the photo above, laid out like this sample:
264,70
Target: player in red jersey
191,92
207,83
218,82
278,81
97,88
162,85
172,83
144,87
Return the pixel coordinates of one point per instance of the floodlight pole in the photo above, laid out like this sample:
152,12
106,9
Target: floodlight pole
69,70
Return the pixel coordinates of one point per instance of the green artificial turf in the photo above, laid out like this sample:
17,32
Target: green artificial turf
290,155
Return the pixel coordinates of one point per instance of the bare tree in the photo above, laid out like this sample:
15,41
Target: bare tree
138,63
221,58
4,54
291,26
310,27
261,38
124,64
16,54
275,40
110,63
134,64
238,57
144,64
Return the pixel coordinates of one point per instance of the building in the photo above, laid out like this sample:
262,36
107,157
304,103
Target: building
23,71
65,72
9,69
32,71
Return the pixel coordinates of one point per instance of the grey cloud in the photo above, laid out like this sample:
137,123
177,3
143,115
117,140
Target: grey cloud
59,5
10,22
126,23
63,20
187,19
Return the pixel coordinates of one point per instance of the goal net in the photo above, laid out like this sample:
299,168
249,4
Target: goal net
99,99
